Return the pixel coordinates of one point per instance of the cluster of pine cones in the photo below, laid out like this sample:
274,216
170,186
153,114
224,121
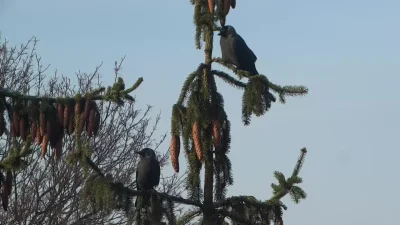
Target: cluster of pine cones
46,123
226,5
196,134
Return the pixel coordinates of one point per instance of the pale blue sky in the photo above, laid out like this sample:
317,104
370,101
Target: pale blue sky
346,52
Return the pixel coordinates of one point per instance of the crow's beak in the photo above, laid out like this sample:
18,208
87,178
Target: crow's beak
219,33
138,152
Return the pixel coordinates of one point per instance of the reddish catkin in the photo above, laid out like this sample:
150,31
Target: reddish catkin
39,137
42,123
15,123
33,130
175,150
216,133
91,122
196,133
22,128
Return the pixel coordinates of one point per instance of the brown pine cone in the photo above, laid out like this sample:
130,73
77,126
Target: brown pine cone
4,196
2,124
211,6
42,123
67,115
175,149
233,4
71,124
92,122
45,143
226,7
58,149
196,133
216,133
22,128
60,114
49,128
15,119
33,130
39,137
9,181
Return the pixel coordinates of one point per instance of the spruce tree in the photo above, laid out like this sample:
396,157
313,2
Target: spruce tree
198,119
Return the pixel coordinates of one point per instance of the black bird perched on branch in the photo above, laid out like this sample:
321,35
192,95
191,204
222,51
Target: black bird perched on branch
235,50
147,172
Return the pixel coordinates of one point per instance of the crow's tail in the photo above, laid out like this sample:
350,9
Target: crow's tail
253,70
145,200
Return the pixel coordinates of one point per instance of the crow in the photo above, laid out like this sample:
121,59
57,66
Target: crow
147,172
235,50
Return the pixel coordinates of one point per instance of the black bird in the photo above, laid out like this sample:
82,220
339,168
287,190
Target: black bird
235,50
147,172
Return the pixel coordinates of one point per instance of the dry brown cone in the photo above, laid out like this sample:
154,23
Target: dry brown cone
23,128
67,115
174,151
15,123
58,148
227,6
39,137
96,122
49,128
2,124
33,130
9,180
92,122
211,6
45,143
4,196
71,124
233,3
197,140
216,133
60,114
222,20
12,130
42,123
88,107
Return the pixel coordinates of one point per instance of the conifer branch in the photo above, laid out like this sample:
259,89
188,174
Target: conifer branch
229,79
234,216
188,82
273,200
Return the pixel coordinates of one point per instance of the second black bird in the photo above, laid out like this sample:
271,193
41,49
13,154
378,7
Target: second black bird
235,50
147,172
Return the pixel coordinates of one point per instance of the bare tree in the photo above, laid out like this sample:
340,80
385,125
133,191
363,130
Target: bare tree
47,192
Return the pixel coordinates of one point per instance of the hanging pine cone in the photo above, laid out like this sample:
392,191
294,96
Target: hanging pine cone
211,6
233,4
216,133
45,143
196,133
33,130
67,115
175,149
2,124
71,124
15,123
92,122
4,196
42,123
60,114
39,137
58,148
23,127
9,180
226,7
